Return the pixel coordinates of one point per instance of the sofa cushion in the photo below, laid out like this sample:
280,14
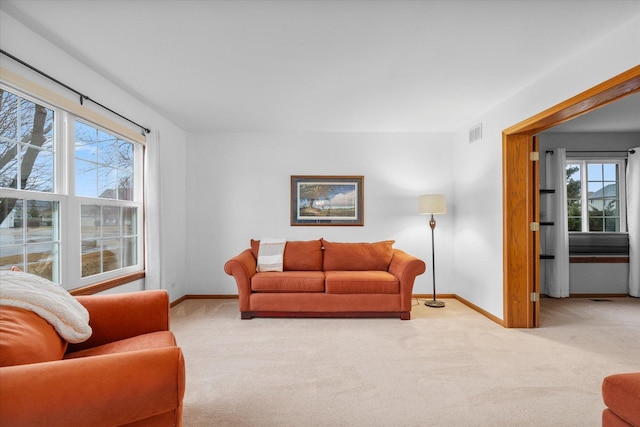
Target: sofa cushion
361,282
357,256
288,281
147,341
298,255
26,338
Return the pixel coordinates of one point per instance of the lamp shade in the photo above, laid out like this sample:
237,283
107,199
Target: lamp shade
432,204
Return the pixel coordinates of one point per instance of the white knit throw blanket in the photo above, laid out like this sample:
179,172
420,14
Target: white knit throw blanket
271,255
48,300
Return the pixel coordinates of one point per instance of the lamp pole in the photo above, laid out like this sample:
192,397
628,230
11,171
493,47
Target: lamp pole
429,204
433,303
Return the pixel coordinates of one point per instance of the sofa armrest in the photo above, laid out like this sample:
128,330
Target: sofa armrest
119,316
406,268
242,267
106,390
621,394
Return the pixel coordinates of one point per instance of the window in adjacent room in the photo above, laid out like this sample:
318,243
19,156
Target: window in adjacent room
596,195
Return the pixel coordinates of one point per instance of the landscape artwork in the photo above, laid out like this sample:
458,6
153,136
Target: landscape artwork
327,200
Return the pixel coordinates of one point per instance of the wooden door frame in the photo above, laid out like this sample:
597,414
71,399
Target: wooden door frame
519,242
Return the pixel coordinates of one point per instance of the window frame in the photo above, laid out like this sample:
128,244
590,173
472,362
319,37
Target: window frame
584,191
69,205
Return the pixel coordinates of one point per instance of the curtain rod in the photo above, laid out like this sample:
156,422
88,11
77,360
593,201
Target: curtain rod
82,96
632,151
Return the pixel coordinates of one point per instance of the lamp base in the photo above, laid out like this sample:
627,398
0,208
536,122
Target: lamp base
434,303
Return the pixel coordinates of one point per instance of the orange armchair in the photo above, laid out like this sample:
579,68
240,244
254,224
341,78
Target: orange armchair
621,394
129,372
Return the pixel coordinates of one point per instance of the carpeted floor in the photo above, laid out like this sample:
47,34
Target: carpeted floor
445,367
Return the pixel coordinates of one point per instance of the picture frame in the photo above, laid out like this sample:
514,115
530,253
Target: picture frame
327,200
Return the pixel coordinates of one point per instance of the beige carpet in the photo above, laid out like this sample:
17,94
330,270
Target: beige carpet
445,367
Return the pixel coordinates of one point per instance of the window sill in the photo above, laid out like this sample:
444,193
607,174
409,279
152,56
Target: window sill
108,284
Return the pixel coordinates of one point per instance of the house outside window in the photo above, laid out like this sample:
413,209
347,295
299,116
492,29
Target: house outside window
70,195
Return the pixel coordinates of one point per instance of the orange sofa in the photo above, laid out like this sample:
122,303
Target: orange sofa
129,372
621,394
320,278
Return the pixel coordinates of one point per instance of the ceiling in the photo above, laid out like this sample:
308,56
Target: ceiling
321,66
620,116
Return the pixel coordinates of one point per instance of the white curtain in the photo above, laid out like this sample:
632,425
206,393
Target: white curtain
633,220
153,219
556,275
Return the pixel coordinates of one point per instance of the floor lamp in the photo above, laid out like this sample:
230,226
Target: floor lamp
430,204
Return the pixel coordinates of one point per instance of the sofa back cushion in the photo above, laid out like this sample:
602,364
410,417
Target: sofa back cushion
298,255
357,256
26,338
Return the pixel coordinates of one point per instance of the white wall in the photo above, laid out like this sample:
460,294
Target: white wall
478,173
239,188
168,248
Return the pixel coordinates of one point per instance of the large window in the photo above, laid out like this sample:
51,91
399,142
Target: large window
70,195
596,195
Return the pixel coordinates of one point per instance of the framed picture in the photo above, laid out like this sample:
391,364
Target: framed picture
327,200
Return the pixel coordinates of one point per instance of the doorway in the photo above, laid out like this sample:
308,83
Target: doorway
520,240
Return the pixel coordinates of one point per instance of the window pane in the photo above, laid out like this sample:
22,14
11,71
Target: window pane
91,260
107,149
110,221
596,224
574,212
611,207
105,164
596,206
594,171
595,188
109,238
125,185
111,255
26,146
86,179
573,181
130,252
610,172
575,224
107,178
86,142
37,170
9,170
38,252
612,224
11,233
11,256
11,221
8,115
129,221
610,189
90,222
125,157
40,217
36,123
42,260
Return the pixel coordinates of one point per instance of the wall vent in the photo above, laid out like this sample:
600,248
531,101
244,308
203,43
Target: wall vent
475,133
